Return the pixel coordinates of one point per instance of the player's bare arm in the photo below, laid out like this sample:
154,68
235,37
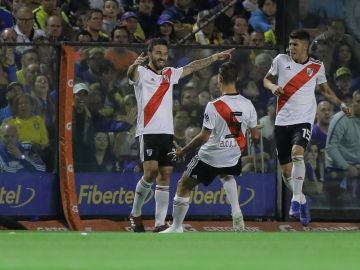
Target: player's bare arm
270,85
330,95
205,62
197,141
132,72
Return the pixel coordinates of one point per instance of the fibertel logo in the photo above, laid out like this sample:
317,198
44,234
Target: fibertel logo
18,197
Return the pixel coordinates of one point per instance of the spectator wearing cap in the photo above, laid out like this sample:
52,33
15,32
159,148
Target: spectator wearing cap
13,90
82,130
147,17
343,82
6,19
131,21
166,29
208,34
111,12
94,19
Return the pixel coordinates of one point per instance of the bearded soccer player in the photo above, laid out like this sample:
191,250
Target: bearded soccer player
292,78
153,84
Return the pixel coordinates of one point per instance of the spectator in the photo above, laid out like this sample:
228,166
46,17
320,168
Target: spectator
257,39
343,152
28,57
166,29
314,176
320,50
224,21
13,157
344,56
111,11
94,19
324,113
182,15
13,90
83,36
6,19
240,34
24,28
120,56
208,35
260,19
54,29
147,17
336,33
31,127
83,131
343,81
182,120
131,21
103,153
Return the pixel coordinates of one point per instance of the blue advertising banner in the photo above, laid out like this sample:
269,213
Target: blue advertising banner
29,194
113,193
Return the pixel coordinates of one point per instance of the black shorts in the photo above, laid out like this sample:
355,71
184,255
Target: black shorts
205,173
156,147
287,136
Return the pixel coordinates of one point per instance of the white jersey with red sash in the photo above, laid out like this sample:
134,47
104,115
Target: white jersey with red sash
297,104
154,95
228,117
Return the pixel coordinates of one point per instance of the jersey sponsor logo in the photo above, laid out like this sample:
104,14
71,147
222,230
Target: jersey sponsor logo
296,82
155,101
288,68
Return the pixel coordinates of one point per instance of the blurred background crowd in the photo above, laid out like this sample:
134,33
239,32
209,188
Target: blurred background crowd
108,35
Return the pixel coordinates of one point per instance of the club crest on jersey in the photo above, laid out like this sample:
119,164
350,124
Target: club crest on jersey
166,78
309,72
149,152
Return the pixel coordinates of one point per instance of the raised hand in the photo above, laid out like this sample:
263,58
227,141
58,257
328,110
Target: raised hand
142,58
225,55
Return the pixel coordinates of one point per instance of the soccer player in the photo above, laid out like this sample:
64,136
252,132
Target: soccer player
153,84
297,75
222,140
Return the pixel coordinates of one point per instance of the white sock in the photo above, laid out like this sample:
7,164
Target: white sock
288,182
180,208
230,188
141,192
297,176
162,204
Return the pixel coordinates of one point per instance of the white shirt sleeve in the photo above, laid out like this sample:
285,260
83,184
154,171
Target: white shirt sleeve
176,74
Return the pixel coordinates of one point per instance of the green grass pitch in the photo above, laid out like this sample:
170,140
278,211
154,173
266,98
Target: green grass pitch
208,251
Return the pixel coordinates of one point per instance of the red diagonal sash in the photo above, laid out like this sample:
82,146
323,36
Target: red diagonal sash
155,101
296,83
233,124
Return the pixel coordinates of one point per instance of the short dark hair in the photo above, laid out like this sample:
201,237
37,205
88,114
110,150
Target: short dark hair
119,27
157,41
262,2
229,72
300,34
